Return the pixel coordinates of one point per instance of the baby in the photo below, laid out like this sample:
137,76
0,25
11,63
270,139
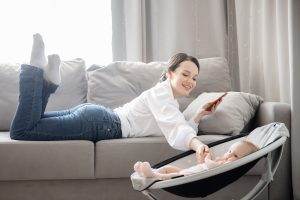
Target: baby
236,151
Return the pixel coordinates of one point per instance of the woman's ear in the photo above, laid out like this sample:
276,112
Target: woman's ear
169,74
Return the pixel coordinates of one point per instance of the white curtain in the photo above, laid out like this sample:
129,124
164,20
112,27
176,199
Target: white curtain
263,47
295,93
153,30
268,50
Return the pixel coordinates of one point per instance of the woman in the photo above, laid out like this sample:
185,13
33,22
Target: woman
154,112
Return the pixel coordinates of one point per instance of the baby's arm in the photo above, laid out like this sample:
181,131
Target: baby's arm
208,156
211,163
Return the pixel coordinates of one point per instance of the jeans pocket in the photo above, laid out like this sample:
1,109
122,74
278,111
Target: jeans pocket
94,113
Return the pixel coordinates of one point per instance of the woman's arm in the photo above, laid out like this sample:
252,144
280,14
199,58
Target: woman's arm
169,119
200,149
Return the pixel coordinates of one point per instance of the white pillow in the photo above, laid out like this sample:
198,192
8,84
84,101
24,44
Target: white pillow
231,116
73,88
120,82
71,92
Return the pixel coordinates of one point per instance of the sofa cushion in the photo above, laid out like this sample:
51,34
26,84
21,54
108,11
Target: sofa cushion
120,82
71,92
231,116
49,160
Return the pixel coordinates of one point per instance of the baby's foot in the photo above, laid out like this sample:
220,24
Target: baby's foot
52,70
146,170
137,167
38,58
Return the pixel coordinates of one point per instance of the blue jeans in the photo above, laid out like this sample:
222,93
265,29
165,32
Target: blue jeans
84,122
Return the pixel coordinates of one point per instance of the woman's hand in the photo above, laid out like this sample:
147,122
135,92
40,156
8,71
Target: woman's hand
201,149
211,106
205,111
202,152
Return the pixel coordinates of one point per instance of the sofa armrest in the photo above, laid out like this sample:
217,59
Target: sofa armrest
269,112
273,112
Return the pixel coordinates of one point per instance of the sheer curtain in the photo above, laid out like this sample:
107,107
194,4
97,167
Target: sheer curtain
263,46
152,30
294,7
72,29
268,47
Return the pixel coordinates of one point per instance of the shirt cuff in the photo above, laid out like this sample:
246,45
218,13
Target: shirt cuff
188,140
193,124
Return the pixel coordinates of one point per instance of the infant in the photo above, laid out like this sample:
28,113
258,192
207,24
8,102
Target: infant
236,151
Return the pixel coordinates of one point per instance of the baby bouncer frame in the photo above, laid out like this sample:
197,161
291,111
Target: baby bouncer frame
215,179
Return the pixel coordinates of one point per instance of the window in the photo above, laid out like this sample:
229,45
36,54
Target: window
71,28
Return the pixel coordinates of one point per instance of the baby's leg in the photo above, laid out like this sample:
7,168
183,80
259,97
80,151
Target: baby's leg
169,169
144,169
137,167
147,171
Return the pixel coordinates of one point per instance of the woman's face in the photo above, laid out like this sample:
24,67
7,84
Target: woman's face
183,79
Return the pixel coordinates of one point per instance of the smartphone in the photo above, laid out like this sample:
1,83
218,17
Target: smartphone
216,101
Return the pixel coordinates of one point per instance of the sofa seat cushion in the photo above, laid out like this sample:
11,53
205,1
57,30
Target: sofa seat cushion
115,158
45,160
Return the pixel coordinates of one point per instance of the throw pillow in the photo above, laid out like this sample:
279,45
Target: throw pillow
120,82
230,117
71,92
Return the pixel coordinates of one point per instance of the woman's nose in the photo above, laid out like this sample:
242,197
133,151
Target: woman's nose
190,81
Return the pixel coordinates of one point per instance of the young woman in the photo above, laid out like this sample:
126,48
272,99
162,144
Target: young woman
154,112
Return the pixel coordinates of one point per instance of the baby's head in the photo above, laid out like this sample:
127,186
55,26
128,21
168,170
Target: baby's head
239,149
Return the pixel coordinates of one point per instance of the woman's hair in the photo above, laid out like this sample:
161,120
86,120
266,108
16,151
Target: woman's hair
175,61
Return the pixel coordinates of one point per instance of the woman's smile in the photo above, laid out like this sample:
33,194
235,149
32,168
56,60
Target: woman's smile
188,87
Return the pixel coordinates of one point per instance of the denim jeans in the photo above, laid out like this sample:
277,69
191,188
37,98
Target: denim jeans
84,122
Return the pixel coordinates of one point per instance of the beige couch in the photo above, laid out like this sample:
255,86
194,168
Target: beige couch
86,170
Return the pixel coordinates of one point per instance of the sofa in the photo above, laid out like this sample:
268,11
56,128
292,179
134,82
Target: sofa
54,170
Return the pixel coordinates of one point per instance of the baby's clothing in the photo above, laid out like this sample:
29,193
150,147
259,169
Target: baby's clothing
208,164
156,113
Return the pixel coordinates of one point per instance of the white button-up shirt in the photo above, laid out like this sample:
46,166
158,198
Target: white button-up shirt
155,113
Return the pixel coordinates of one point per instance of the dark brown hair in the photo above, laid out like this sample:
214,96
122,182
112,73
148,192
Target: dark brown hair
175,61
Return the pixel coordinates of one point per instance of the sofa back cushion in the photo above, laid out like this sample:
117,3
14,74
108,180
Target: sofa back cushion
71,92
120,82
